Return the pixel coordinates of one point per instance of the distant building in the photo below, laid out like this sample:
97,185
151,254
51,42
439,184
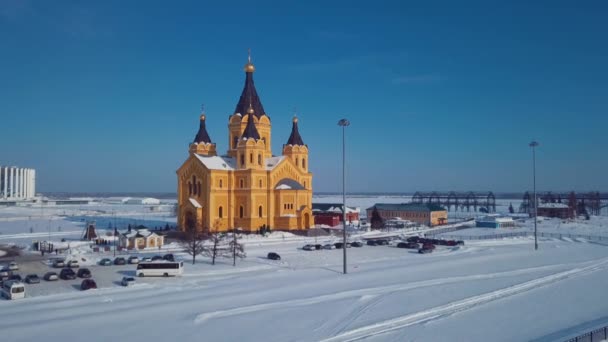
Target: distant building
427,214
17,183
494,221
140,239
330,214
558,210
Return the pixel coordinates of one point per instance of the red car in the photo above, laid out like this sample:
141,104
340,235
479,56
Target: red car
88,284
428,246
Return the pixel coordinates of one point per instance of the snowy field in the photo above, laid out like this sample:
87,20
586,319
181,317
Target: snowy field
499,289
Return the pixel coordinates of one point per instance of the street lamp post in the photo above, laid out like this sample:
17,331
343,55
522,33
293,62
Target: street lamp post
344,123
534,144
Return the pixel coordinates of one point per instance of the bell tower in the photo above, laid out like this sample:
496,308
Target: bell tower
295,149
202,142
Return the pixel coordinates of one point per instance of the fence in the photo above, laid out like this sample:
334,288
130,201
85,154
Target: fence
596,335
520,234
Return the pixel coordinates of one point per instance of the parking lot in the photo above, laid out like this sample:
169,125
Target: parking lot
104,276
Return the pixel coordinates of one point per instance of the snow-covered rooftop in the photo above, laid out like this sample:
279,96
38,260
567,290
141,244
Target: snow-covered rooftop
553,205
272,162
217,162
195,203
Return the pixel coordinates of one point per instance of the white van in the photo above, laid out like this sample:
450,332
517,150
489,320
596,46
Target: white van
13,290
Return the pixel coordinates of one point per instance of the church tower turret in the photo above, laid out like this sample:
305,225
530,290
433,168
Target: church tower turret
249,98
295,148
250,147
202,142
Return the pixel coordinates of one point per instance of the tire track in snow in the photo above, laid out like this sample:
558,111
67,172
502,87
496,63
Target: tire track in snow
203,317
461,305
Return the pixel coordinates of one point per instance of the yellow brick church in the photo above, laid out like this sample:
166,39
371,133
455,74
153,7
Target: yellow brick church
249,186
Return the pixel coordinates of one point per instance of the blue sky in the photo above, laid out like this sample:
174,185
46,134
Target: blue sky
105,96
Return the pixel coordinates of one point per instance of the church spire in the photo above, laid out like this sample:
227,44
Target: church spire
249,96
202,135
250,130
295,138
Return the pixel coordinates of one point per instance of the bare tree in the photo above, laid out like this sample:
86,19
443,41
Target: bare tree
218,240
192,242
237,249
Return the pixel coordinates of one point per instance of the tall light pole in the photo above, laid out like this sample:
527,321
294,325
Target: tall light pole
533,144
344,123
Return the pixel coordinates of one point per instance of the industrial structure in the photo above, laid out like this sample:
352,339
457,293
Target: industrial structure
462,200
249,187
429,214
579,203
17,183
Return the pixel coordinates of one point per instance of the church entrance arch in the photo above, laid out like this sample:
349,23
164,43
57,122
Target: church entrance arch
307,220
190,221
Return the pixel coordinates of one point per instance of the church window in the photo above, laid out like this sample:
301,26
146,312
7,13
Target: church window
251,158
198,187
235,141
242,183
260,211
259,159
241,211
260,183
297,162
189,188
220,183
242,160
220,212
194,184
304,162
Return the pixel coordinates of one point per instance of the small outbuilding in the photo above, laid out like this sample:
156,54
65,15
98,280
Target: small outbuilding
140,238
495,222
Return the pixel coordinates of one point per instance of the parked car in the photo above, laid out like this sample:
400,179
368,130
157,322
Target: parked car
73,264
84,273
5,273
58,263
157,257
133,260
428,245
348,245
425,250
329,246
127,281
13,266
339,245
450,243
371,243
402,244
51,276
274,256
67,274
383,242
413,239
309,248
120,261
169,257
105,262
459,243
317,246
357,244
88,284
144,259
412,245
15,277
32,279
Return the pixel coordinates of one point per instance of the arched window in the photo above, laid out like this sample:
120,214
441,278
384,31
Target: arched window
260,183
251,158
198,188
297,162
220,212
220,183
304,162
259,159
260,211
242,160
235,142
194,184
242,183
241,211
189,188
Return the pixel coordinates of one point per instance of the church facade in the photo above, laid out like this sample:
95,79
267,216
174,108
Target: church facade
248,187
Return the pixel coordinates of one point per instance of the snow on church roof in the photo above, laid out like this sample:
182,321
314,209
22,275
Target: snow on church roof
216,162
195,203
272,162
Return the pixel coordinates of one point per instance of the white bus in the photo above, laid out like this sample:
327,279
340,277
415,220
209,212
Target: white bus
160,268
13,290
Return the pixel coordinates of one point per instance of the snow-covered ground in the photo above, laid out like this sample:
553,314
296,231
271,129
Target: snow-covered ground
499,290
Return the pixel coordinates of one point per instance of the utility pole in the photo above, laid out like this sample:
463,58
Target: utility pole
344,123
534,144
